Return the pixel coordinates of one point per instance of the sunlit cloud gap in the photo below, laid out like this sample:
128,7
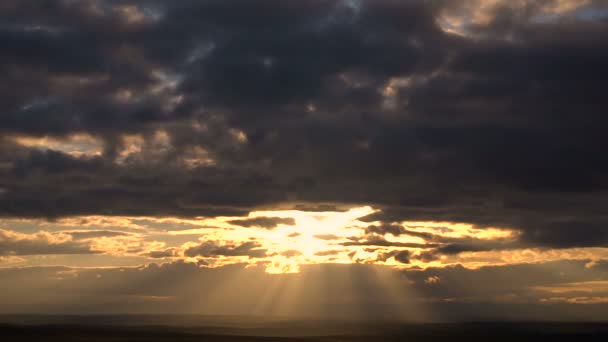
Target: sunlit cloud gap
279,240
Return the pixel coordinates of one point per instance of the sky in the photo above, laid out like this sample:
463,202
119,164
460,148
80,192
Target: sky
427,160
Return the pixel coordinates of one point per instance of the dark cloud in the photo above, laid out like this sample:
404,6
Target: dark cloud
264,222
165,253
400,256
393,229
311,105
564,233
434,245
212,249
321,207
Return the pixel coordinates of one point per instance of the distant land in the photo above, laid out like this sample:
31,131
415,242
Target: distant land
216,328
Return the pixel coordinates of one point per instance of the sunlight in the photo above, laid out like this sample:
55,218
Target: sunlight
314,238
76,145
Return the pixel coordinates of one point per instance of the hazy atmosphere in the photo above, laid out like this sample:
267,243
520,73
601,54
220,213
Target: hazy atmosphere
385,160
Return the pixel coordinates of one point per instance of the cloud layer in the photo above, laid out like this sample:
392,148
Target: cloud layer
204,108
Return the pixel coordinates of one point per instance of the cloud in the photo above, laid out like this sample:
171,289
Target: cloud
598,287
290,253
213,249
15,243
326,237
393,229
432,280
401,256
166,253
511,285
492,17
484,112
576,300
92,234
264,222
327,253
380,241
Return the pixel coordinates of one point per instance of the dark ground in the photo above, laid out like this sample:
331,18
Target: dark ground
145,328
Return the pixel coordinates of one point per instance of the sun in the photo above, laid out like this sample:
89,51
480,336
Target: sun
314,238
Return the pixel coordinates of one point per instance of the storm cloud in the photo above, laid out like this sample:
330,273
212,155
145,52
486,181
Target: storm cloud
228,109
